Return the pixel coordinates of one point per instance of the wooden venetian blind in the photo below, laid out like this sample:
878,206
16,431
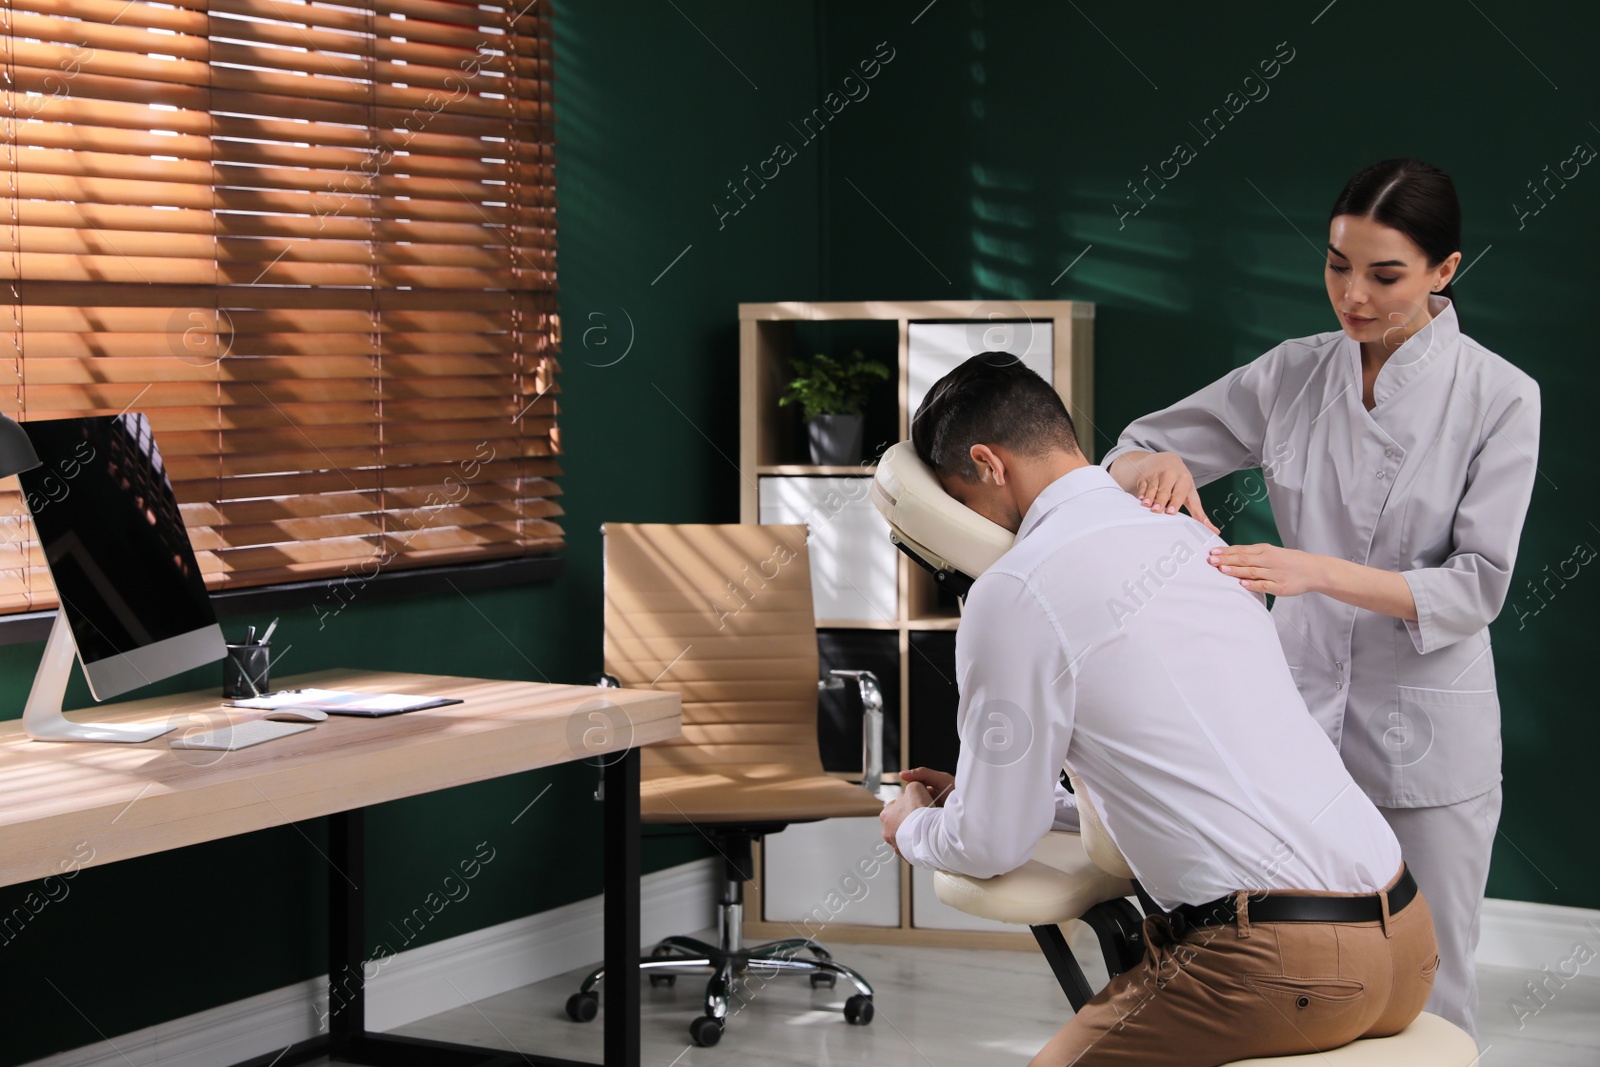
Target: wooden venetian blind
315,243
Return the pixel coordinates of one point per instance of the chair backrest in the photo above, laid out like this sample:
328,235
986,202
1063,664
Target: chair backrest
721,615
1103,851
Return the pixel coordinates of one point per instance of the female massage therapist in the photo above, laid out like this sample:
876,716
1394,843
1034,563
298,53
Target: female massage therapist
1399,456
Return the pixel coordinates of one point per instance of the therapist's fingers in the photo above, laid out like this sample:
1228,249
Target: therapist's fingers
1143,486
1198,511
1149,478
1235,555
1161,487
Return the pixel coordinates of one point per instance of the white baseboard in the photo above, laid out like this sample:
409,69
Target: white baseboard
420,982
415,983
1516,933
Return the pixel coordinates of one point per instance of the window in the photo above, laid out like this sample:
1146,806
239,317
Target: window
315,243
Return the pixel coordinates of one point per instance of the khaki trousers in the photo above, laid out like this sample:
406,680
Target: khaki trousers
1223,993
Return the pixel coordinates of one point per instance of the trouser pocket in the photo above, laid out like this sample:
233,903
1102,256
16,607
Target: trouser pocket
1316,1013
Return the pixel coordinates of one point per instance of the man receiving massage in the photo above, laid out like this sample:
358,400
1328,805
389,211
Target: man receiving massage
1104,641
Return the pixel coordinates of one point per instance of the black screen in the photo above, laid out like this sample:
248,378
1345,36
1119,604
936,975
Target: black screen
108,523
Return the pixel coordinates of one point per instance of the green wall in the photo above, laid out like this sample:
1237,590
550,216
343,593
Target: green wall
1002,135
651,122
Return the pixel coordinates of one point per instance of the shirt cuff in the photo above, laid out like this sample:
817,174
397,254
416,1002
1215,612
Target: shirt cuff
906,837
1421,628
1111,456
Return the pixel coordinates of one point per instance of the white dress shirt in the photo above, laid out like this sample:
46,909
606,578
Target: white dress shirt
1104,641
1433,483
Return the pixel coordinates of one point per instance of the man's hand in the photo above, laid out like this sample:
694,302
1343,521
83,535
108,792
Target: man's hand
1161,481
938,782
894,813
1270,569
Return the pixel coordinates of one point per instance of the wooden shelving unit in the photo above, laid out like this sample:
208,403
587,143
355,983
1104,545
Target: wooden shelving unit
767,436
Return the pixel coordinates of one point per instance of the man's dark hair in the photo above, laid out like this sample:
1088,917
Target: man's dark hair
991,399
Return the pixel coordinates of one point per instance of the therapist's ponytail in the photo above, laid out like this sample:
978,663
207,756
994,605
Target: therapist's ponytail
1411,196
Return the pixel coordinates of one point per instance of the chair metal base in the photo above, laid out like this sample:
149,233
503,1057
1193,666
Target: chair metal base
733,976
732,968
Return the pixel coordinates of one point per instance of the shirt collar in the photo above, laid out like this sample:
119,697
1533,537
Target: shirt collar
1420,351
1072,484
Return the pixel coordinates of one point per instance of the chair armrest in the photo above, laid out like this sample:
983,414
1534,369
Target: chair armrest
871,723
1059,882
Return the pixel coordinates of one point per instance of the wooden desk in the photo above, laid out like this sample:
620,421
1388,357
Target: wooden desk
133,800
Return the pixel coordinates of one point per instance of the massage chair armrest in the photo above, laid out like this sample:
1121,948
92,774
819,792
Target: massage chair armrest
871,722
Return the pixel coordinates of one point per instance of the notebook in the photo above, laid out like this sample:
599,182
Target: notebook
342,702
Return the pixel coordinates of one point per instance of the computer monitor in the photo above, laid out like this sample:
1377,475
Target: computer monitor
132,598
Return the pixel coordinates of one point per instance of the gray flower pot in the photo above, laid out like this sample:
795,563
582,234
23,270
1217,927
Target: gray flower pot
835,440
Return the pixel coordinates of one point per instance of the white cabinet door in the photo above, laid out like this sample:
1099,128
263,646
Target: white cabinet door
852,560
934,349
833,871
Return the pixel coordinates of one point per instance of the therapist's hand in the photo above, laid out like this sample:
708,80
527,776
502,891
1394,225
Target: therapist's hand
894,813
1270,569
1161,481
938,782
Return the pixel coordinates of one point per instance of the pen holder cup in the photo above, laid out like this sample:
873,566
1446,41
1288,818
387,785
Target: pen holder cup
246,665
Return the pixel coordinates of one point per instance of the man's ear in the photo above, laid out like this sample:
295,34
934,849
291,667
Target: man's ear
986,460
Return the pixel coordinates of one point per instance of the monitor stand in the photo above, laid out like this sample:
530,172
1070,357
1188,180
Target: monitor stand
42,718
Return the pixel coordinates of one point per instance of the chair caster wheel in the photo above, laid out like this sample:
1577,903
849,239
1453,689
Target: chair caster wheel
582,1007
662,979
858,1010
820,981
706,1031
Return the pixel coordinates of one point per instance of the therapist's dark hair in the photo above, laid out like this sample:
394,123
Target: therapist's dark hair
1411,196
991,399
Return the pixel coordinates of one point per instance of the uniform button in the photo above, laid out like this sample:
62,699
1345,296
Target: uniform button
1353,559
1388,453
1381,474
1338,685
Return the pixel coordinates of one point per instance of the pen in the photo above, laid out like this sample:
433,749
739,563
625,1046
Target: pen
250,636
271,626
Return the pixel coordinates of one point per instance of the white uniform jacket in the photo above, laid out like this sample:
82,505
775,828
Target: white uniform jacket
1434,483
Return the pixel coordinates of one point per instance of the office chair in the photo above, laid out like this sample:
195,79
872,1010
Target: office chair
1081,876
722,614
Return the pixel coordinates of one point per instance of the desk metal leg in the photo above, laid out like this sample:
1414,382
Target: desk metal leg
347,935
621,834
348,1040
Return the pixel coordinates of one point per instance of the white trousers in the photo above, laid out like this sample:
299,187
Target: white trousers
1447,850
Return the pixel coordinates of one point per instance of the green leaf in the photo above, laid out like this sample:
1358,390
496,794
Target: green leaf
826,386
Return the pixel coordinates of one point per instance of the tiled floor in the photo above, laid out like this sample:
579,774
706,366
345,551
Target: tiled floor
935,1007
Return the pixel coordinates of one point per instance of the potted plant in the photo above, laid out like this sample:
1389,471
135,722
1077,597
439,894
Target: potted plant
831,393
